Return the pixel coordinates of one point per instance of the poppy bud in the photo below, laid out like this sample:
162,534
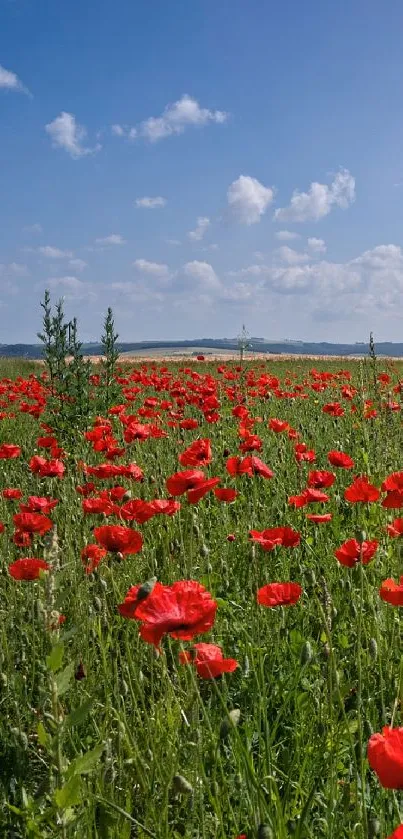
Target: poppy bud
80,673
231,537
306,653
373,648
225,453
127,496
180,784
231,721
310,576
265,832
119,556
374,828
97,604
146,589
204,550
360,535
103,583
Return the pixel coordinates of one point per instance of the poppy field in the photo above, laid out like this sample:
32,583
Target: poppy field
201,589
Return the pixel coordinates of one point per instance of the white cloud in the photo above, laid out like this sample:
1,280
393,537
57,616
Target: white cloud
317,245
203,223
10,81
54,253
67,134
174,242
153,269
151,203
124,131
18,269
71,287
286,235
248,199
33,228
78,264
291,257
113,239
318,202
203,273
176,117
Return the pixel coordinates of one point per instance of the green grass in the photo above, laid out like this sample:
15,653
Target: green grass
314,680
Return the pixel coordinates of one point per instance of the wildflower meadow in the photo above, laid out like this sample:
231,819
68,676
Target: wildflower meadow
201,591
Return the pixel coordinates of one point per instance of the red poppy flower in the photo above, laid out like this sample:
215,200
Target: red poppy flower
396,528
226,494
32,523
231,537
181,482
27,568
251,443
12,494
39,504
334,409
22,539
352,551
361,491
91,556
385,756
2,527
194,495
393,500
8,451
273,536
279,594
250,465
188,424
393,482
197,454
278,426
307,456
308,496
99,506
113,470
182,610
398,833
392,592
86,489
319,518
200,358
119,540
46,468
208,660
321,479
340,459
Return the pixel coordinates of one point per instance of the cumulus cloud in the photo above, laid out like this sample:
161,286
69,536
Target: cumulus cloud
112,239
317,245
290,256
177,117
124,131
72,288
54,253
151,203
319,200
10,81
248,199
152,269
66,133
203,274
203,224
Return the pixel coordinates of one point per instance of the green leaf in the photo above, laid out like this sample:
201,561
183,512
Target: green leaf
79,714
55,657
43,736
86,763
64,678
69,794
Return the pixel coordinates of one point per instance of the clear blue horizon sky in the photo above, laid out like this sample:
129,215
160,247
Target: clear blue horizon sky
200,165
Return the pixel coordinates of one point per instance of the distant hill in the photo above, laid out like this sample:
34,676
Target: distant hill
261,345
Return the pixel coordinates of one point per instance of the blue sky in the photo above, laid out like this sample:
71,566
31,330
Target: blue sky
198,165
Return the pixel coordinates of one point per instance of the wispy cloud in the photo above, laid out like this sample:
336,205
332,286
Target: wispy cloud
66,133
10,81
203,224
54,253
151,203
175,118
113,239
